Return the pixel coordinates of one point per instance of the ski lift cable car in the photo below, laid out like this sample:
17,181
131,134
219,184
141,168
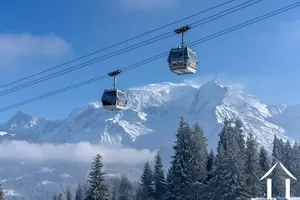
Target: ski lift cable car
114,99
182,60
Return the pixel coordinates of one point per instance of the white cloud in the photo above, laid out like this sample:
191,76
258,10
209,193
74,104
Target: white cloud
200,80
237,86
148,4
80,152
16,46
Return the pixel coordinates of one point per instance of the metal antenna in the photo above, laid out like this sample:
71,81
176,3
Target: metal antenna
181,31
114,74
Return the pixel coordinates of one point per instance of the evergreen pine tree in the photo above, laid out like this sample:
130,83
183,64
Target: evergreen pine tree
114,188
264,161
139,193
264,164
229,181
210,166
296,184
53,198
1,192
79,193
159,179
278,173
221,144
252,168
181,178
97,188
200,153
61,197
287,159
68,194
198,162
125,190
240,136
147,184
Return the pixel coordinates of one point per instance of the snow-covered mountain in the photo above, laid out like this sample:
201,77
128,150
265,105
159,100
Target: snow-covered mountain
151,121
153,115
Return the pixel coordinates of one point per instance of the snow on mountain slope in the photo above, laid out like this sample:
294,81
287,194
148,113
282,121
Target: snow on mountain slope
153,114
150,121
289,119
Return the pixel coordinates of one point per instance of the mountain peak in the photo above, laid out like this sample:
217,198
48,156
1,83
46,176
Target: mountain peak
20,121
21,115
215,83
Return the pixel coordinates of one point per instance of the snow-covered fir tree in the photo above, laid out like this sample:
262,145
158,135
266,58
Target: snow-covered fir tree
264,166
97,188
238,128
198,163
125,190
147,183
278,174
264,161
54,197
229,181
295,185
68,194
114,190
61,197
210,166
182,176
252,168
79,193
287,159
159,179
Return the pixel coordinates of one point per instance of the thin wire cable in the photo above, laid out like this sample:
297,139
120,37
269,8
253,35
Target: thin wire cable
218,34
127,49
118,44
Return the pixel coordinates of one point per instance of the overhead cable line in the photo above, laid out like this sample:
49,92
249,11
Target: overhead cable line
118,44
127,49
154,58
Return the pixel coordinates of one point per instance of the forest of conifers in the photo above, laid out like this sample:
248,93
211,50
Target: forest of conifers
198,174
233,172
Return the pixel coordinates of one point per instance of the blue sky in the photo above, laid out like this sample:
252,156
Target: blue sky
36,35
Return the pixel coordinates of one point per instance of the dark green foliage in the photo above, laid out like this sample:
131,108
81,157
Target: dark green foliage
278,174
198,164
252,168
125,190
159,179
210,166
264,161
295,185
147,183
188,167
199,153
79,193
229,181
68,194
264,166
61,197
97,188
180,179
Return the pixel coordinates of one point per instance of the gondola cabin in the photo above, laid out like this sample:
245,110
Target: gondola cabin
182,60
114,99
